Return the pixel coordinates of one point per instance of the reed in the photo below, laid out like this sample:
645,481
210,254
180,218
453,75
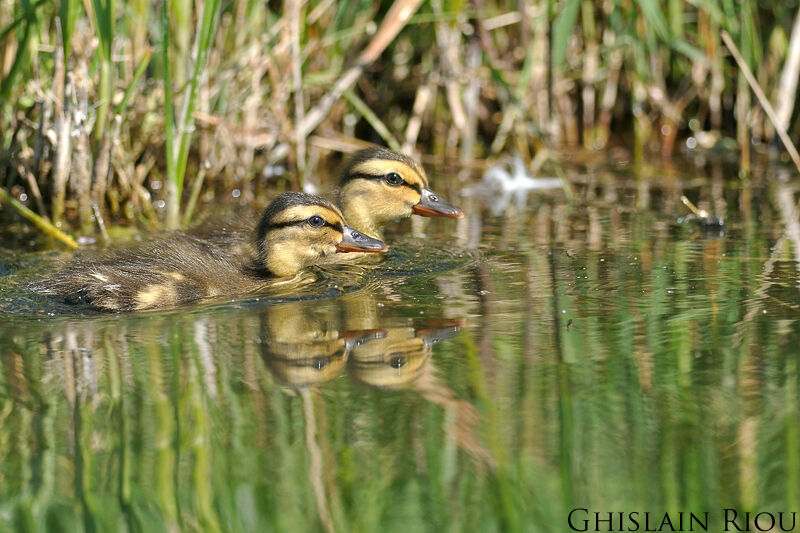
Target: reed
179,129
42,223
234,86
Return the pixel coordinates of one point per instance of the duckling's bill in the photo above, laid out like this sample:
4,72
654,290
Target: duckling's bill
432,205
359,337
355,241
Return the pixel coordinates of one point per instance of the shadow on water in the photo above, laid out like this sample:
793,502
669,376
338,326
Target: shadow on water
600,356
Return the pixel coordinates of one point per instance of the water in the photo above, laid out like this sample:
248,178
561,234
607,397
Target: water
498,375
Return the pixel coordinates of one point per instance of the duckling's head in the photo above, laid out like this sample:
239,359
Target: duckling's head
297,230
379,185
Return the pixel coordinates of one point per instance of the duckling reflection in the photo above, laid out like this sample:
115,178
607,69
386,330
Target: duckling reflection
403,359
303,342
400,357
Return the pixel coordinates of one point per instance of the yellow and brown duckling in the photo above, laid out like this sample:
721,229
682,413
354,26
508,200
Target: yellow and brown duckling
379,185
296,230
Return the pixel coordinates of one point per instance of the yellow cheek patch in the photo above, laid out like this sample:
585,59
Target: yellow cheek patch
289,256
368,204
379,197
298,237
328,235
320,243
410,196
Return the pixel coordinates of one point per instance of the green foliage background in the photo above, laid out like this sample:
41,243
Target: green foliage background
116,104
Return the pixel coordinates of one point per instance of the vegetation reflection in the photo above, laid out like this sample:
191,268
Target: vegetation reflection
601,357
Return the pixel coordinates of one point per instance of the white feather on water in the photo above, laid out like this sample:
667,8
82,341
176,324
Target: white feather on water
503,186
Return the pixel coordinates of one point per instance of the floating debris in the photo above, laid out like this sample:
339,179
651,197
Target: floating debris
701,217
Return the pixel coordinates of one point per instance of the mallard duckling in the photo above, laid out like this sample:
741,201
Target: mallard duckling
295,231
379,185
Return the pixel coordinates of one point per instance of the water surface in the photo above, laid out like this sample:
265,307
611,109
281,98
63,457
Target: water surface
493,377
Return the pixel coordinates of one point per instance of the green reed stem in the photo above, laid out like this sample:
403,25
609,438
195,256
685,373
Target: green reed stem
199,59
373,120
197,186
40,222
103,98
565,186
102,16
141,68
173,194
563,26
179,133
68,11
23,48
19,20
180,12
173,190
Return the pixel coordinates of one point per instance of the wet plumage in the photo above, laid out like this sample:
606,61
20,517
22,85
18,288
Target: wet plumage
295,231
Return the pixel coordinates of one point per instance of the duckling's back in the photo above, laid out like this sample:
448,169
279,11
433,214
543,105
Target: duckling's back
168,272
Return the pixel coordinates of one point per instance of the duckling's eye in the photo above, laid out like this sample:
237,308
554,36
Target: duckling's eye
394,179
316,221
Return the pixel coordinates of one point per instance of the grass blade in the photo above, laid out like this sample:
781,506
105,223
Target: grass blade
180,139
563,27
41,223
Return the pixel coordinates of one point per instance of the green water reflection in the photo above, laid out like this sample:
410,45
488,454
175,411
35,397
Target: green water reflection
598,356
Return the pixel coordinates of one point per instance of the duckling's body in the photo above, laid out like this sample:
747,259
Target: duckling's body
167,272
295,231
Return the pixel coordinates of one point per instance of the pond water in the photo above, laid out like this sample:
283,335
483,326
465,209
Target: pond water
508,369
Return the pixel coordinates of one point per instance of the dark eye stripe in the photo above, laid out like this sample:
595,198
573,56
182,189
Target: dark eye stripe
364,176
278,225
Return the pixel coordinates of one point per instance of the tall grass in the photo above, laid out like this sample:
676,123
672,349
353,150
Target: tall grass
240,86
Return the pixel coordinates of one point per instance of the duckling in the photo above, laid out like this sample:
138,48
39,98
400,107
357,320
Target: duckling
295,231
379,185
